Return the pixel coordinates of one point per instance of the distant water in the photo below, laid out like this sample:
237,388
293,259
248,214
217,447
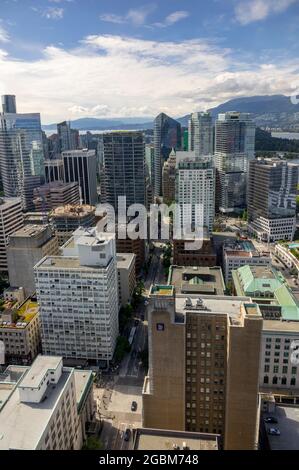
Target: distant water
286,135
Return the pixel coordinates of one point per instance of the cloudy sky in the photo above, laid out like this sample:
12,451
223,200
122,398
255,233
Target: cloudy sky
126,58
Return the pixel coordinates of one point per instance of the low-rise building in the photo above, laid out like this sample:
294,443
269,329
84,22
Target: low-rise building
158,439
197,280
20,331
239,253
279,371
126,277
45,406
184,255
26,247
288,254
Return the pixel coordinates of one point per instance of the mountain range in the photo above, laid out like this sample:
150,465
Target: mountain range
268,110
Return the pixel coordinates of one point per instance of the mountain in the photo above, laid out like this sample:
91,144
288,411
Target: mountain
267,111
94,124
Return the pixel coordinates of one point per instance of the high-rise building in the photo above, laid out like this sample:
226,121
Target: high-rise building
168,178
234,148
200,134
272,191
203,366
167,136
81,166
195,191
21,153
46,406
54,170
9,104
11,219
52,195
78,298
68,138
124,167
26,247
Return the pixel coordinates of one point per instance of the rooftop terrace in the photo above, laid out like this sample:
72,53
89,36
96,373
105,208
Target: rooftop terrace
20,316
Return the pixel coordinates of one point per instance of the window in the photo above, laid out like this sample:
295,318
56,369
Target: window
294,370
267,369
274,381
293,381
266,379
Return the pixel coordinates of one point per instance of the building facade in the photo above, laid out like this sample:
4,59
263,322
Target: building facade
126,277
51,405
55,194
168,178
78,298
200,134
26,247
124,167
21,154
167,136
81,166
272,191
11,219
197,381
195,193
234,148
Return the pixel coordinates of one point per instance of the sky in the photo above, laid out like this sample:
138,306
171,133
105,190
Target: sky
69,59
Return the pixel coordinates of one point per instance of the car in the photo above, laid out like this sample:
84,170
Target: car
134,406
127,434
271,419
274,432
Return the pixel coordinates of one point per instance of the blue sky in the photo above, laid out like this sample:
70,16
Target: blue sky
75,58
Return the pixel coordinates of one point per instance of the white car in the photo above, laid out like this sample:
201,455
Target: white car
274,432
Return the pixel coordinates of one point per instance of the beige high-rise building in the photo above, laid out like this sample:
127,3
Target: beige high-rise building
11,219
168,178
203,366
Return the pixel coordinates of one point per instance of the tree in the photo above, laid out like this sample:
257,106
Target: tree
143,356
125,315
122,348
138,292
93,443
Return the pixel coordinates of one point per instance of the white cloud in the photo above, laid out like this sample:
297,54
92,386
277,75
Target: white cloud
135,16
116,76
4,37
256,10
173,18
53,13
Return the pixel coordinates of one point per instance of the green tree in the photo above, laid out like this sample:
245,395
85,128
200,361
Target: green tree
122,348
93,443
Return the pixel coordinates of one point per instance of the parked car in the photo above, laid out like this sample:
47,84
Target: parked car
274,432
134,406
127,434
271,419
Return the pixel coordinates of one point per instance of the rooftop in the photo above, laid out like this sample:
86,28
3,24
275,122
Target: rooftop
125,260
20,316
157,439
37,371
30,231
6,203
266,286
162,290
64,262
244,248
197,279
22,424
73,210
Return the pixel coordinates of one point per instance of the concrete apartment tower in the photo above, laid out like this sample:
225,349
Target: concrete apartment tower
195,191
203,366
81,166
78,298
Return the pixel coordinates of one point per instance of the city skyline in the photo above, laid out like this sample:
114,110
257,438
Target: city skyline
124,50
